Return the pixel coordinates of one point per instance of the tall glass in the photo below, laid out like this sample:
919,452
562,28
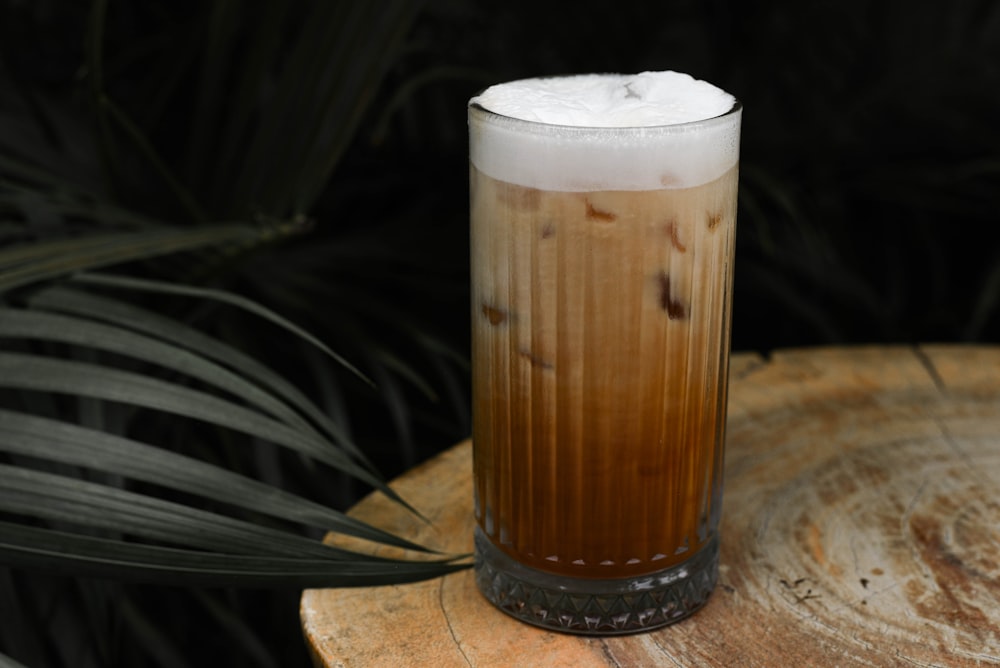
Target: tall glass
602,265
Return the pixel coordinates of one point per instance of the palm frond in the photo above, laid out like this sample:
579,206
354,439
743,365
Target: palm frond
7,662
84,379
282,558
333,72
66,443
128,317
161,287
247,398
89,556
71,501
40,261
133,445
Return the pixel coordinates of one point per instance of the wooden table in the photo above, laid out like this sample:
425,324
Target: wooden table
861,527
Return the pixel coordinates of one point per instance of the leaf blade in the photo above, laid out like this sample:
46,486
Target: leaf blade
71,444
88,556
222,296
58,498
33,372
40,261
64,299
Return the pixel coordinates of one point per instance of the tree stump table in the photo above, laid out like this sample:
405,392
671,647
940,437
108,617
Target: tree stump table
861,527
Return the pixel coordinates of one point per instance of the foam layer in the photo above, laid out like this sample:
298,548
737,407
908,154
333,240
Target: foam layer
608,100
605,132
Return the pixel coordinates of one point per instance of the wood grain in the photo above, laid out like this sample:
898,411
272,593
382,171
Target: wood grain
861,527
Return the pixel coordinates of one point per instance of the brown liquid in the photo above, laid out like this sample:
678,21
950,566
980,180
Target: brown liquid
600,357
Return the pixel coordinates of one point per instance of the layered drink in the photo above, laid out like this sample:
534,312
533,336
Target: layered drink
602,227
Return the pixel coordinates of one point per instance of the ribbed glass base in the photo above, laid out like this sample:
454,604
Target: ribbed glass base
595,607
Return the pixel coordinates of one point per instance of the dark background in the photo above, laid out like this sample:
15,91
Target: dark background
870,151
869,199
869,159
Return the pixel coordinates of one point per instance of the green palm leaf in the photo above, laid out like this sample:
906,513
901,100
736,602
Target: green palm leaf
319,97
62,198
262,100
248,403
67,500
128,317
65,443
63,315
84,379
6,662
23,265
161,287
100,557
19,323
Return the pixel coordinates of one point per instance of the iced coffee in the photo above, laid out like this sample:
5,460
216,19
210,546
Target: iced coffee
602,220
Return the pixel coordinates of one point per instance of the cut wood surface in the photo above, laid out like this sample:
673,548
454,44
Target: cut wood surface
861,527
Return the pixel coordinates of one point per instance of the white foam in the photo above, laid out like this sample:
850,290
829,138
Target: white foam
605,132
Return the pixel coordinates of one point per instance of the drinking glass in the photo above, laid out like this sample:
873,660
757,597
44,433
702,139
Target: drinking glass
602,264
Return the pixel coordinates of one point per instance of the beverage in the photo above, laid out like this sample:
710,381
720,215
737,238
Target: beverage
601,291
593,462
